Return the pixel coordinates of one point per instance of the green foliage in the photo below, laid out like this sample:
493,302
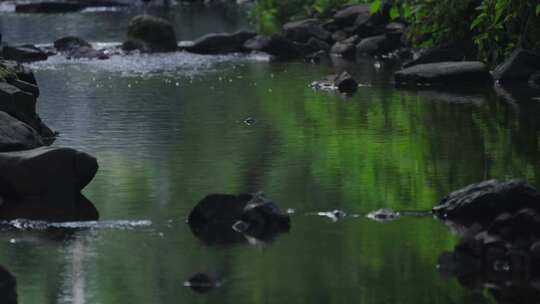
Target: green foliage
269,15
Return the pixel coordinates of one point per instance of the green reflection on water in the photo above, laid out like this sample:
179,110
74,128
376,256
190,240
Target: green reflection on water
310,151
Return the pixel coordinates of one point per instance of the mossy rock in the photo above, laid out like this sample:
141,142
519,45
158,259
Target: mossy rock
6,73
151,34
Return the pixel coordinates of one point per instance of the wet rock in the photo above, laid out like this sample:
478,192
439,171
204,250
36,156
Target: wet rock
257,43
150,34
252,215
23,53
221,43
384,215
445,53
318,57
312,46
518,67
16,135
22,105
45,184
203,282
534,80
20,71
301,31
85,52
8,287
444,73
339,35
378,45
342,82
345,48
278,46
69,43
483,202
24,86
349,14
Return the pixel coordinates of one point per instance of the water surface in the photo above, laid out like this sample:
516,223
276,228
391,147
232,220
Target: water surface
169,129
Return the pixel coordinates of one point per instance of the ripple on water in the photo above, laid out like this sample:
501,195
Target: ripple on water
148,65
23,224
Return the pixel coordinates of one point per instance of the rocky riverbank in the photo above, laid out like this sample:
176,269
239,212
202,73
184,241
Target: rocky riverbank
37,182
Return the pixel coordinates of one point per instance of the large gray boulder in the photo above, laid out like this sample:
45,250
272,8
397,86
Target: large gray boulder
378,45
150,34
485,201
445,53
16,135
444,73
45,184
349,14
518,67
301,31
221,43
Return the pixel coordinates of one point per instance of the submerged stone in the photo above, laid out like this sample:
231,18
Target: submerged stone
384,215
342,82
203,282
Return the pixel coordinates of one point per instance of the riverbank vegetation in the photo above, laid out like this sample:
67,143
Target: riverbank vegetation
488,29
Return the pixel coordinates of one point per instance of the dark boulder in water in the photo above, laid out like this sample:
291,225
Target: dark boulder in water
483,202
224,218
221,43
16,135
303,30
443,53
518,67
444,74
8,287
45,184
68,43
23,53
150,34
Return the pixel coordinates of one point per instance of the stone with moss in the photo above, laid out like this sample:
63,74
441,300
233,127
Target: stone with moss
150,34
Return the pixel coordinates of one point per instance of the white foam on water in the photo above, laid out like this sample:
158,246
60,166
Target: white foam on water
23,224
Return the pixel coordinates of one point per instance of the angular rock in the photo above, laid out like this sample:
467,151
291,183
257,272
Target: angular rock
45,184
16,135
23,53
275,45
225,219
378,45
349,14
69,43
22,105
221,43
150,34
21,72
339,35
345,48
438,54
301,31
483,202
312,46
518,67
444,73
